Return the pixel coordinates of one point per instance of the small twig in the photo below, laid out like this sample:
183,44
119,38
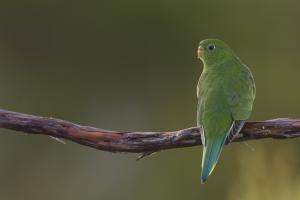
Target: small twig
148,153
56,139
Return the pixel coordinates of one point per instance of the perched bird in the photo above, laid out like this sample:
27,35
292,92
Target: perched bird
226,92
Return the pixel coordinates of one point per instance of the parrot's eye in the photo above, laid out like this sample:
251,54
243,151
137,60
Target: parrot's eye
211,47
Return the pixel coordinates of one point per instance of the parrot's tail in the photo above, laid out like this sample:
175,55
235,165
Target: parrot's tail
211,154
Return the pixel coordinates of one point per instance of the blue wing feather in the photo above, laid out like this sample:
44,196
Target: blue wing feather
236,128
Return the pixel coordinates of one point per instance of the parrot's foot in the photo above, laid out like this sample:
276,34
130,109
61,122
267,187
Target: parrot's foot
178,136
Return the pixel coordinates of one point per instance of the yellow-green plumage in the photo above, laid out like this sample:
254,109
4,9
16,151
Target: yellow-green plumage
226,91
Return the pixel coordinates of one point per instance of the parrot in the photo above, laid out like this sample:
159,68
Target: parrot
225,91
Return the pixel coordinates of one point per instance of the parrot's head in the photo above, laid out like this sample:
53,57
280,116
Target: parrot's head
212,51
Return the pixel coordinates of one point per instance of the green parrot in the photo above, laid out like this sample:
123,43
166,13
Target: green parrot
226,91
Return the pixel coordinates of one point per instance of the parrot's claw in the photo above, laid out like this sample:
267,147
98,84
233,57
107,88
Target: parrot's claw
172,138
178,136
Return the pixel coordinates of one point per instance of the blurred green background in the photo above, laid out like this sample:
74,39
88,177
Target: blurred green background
132,66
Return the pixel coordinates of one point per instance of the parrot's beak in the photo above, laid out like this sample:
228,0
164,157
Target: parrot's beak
199,52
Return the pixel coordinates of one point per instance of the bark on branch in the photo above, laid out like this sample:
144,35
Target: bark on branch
134,142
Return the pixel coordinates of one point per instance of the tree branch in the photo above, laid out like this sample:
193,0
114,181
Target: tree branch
134,142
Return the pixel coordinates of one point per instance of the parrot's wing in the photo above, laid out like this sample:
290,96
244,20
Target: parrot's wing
240,95
235,129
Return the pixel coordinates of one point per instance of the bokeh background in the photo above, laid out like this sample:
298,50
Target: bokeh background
132,66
